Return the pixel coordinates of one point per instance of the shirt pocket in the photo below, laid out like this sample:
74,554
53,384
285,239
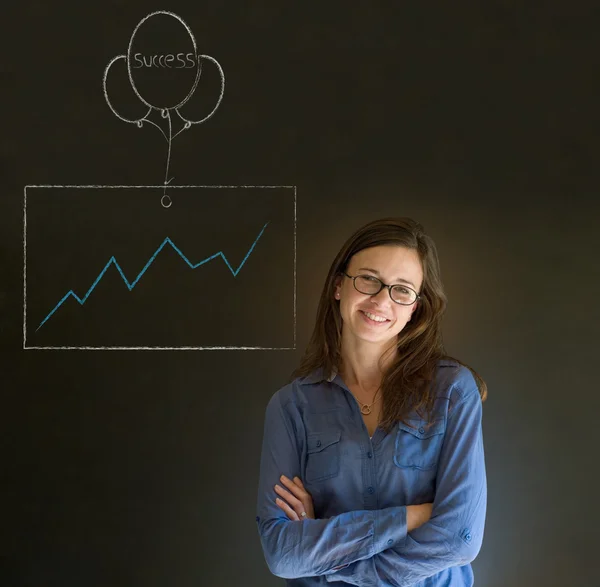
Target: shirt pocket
323,456
418,447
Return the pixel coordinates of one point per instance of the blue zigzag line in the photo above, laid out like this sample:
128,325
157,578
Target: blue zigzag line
131,285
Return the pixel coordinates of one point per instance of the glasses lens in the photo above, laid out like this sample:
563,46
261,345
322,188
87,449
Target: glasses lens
367,284
403,295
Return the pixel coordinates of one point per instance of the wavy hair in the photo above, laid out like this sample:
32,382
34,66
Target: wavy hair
407,382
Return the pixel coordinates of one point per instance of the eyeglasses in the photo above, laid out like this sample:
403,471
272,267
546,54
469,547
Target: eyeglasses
371,285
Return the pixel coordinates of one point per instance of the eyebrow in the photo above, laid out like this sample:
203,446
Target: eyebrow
398,279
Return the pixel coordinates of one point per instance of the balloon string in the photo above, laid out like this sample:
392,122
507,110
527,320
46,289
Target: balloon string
170,141
162,132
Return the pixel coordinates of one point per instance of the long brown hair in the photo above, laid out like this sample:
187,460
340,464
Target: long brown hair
407,381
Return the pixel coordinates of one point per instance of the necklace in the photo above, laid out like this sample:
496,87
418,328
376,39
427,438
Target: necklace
365,409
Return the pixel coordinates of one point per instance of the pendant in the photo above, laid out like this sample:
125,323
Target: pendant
365,410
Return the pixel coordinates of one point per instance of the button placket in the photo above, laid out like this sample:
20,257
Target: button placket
369,476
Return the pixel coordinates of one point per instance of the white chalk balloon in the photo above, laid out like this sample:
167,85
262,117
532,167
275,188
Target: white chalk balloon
137,64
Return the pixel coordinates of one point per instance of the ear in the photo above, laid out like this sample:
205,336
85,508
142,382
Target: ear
337,285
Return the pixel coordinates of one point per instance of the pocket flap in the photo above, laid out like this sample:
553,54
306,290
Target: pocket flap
422,429
320,441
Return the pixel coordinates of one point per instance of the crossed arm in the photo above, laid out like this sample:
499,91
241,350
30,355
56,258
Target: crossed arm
295,500
370,548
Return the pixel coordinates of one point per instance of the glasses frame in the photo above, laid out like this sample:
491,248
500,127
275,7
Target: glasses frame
382,285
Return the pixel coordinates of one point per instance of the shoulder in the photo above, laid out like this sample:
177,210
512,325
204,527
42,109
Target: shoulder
455,383
293,392
310,392
283,396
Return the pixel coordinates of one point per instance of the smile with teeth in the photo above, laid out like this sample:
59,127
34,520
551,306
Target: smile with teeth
374,317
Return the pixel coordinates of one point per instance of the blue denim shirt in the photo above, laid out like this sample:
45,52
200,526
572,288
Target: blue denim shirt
361,486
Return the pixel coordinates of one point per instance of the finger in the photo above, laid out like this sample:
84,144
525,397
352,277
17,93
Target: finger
291,499
292,486
298,506
289,512
289,484
298,482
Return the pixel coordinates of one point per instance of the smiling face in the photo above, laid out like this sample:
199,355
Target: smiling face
377,319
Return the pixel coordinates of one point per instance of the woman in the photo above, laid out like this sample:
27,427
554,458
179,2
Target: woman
372,469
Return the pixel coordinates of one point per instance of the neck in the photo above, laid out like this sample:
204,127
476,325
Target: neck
363,363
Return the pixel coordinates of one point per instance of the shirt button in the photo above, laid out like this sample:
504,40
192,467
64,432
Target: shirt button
370,454
390,541
370,490
318,443
467,536
421,430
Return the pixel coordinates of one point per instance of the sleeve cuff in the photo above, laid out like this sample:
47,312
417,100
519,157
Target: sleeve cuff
389,528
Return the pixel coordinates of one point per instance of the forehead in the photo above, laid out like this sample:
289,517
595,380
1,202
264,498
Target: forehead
390,262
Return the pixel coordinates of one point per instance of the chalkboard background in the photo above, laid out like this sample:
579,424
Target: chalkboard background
140,467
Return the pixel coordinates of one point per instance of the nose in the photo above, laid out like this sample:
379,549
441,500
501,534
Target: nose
383,297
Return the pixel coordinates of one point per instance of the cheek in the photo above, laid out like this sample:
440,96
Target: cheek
350,297
348,302
345,308
402,319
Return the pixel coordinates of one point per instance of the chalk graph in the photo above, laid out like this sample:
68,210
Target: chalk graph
56,322
84,283
131,285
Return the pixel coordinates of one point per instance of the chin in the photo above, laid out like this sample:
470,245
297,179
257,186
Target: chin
375,337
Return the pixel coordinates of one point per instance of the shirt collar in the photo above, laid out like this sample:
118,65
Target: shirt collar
318,375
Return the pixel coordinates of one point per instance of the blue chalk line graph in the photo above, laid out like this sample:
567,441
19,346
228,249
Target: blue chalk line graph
130,286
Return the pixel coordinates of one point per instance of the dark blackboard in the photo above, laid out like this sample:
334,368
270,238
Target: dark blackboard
156,290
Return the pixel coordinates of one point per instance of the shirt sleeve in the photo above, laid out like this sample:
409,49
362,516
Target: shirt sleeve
454,533
308,547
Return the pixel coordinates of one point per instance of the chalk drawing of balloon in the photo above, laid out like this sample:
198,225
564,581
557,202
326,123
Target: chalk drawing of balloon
164,67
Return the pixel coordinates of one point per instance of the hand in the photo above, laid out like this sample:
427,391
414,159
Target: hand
297,498
417,515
